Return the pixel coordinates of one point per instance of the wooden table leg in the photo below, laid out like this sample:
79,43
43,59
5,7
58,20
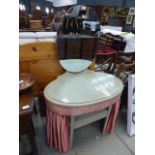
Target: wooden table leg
106,120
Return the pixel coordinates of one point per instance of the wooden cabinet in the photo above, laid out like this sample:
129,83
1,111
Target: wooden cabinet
76,48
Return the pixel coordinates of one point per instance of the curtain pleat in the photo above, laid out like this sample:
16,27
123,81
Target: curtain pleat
58,131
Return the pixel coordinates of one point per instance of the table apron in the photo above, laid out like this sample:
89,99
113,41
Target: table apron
80,110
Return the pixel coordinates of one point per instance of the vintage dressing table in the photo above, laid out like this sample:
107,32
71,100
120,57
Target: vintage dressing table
74,100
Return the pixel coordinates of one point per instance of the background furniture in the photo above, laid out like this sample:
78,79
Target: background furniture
68,46
124,70
25,119
125,58
107,50
36,24
106,62
129,38
105,44
41,60
108,43
71,24
125,66
76,46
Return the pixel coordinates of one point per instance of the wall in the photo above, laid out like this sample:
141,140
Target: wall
109,2
27,4
126,3
42,3
129,3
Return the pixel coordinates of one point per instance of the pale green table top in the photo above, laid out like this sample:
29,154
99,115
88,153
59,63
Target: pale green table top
84,88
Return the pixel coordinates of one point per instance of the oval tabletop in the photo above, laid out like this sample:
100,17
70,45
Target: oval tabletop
82,89
75,65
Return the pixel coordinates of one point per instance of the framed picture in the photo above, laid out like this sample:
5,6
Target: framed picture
132,11
121,12
129,19
105,16
112,12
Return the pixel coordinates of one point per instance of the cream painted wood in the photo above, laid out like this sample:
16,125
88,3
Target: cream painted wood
75,65
85,88
80,121
89,118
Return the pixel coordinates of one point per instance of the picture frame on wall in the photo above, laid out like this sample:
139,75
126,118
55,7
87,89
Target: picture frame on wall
132,11
112,12
121,12
105,15
129,19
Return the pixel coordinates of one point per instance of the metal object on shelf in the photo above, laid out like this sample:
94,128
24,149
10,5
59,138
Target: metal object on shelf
26,82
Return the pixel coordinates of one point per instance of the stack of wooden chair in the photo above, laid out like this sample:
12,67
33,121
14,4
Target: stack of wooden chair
111,58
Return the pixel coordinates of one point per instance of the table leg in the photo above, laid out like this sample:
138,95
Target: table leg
106,120
112,117
72,119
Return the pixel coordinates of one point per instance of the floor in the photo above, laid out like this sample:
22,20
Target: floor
88,140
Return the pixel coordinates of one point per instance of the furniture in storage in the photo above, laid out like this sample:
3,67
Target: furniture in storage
129,38
41,60
106,62
76,46
68,46
26,102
